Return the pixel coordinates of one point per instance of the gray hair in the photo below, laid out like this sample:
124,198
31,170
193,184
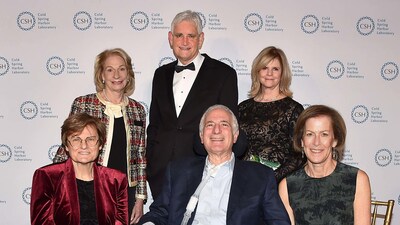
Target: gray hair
187,15
235,124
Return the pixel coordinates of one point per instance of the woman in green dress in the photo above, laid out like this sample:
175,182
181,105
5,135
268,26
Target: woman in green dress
325,191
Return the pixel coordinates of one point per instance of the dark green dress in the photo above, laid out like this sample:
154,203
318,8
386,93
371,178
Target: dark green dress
323,201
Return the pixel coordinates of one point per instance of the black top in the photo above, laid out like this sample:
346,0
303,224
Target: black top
87,203
117,158
269,129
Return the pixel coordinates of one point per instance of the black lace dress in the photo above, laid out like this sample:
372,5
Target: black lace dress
269,129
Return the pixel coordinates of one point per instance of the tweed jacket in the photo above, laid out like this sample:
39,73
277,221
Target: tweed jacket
135,122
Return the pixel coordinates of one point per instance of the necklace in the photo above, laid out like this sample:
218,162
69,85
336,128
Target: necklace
262,99
105,96
328,171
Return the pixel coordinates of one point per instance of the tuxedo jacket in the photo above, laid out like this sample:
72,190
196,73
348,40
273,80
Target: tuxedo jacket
170,137
253,196
54,196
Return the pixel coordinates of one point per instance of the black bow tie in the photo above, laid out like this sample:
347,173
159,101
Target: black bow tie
179,69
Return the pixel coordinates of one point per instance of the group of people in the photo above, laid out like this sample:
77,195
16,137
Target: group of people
206,158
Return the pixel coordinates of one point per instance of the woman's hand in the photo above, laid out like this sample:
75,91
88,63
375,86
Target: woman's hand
137,211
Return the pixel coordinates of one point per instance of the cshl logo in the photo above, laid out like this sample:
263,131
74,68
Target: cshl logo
26,21
29,110
383,157
359,114
253,22
365,25
389,71
5,153
227,61
53,151
55,65
26,195
202,18
335,69
82,20
139,21
4,66
165,60
310,24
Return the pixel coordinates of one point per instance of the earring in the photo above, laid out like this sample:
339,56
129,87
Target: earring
103,81
335,154
302,152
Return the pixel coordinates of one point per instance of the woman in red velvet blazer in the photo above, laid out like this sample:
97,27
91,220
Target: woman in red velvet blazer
78,191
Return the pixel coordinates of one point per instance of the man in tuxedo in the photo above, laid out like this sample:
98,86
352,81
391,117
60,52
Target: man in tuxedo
181,92
217,189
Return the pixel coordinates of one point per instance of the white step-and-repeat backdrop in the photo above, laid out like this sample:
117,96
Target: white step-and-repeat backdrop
345,54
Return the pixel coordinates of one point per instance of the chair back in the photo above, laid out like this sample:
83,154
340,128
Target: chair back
388,214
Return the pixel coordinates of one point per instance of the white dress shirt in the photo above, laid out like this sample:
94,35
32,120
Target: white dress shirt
183,82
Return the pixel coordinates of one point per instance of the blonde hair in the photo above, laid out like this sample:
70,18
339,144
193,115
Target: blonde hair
262,59
99,69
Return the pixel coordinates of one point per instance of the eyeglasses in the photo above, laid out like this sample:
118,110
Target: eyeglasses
90,142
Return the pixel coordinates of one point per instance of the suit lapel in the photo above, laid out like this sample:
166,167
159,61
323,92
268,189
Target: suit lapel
200,83
169,79
194,177
238,186
101,201
71,189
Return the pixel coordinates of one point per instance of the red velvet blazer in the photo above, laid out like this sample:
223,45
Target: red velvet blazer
54,197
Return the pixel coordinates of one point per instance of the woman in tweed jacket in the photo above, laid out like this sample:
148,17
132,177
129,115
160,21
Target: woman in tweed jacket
125,120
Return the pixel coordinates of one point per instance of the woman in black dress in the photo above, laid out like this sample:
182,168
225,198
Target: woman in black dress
269,115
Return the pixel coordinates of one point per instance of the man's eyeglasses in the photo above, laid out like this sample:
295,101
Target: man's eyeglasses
90,142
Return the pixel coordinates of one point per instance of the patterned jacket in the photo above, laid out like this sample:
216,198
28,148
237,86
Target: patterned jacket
135,122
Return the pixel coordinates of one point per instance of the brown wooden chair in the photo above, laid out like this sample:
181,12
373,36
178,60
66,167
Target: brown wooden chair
388,214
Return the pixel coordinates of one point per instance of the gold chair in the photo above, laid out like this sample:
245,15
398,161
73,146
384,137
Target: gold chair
387,216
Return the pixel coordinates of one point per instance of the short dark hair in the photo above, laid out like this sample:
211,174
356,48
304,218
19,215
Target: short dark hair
77,122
